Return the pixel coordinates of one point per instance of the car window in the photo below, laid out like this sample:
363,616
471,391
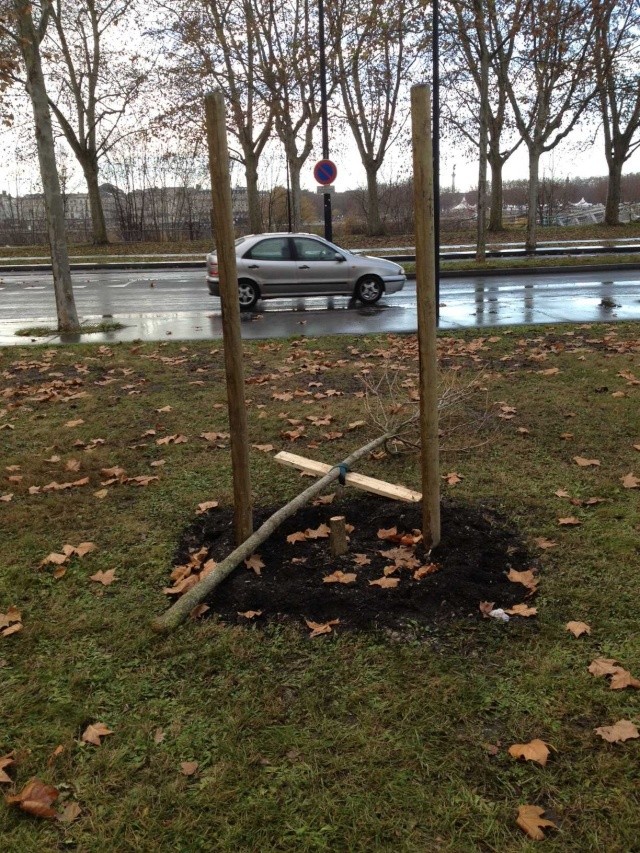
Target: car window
313,250
273,249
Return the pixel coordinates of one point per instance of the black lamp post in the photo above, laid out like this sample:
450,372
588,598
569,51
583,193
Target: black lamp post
328,231
435,61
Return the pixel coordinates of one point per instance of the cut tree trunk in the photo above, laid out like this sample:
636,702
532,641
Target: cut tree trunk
179,611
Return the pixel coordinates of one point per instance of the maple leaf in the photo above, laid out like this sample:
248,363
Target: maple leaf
569,521
182,586
141,480
74,423
388,533
356,425
198,611
36,798
535,750
324,499
361,560
115,471
101,494
385,582
214,436
188,768
85,548
585,463
526,578
263,448
340,577
531,820
6,498
255,563
71,812
164,409
54,559
320,532
630,481
105,578
6,761
604,666
250,614
205,506
550,371
423,571
623,678
543,543
94,732
618,732
318,628
522,610
578,628
562,493
298,536
453,478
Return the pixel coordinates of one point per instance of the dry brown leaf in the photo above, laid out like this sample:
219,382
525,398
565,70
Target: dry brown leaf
298,536
562,493
115,471
485,607
85,548
198,611
320,532
75,423
254,562
101,494
522,610
164,409
618,732
56,752
388,533
324,499
250,614
188,768
549,371
453,478
60,572
543,543
205,506
531,820
578,628
385,582
158,736
604,666
535,750
263,448
54,559
70,812
318,628
569,521
105,578
526,578
423,571
6,761
361,560
14,629
340,577
585,463
94,732
622,679
630,481
73,465
36,799
182,586
6,498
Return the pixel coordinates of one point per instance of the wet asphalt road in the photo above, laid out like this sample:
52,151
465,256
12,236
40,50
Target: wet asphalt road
176,303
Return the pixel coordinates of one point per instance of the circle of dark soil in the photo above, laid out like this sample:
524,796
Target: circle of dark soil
477,550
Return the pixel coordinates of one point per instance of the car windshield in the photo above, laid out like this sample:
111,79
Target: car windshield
240,240
340,249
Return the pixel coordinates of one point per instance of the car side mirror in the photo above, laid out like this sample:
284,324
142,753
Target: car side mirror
340,257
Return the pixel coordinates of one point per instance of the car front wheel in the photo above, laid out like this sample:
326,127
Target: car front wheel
248,295
369,289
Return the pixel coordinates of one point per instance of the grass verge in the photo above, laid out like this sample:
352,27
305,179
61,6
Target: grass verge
346,742
89,329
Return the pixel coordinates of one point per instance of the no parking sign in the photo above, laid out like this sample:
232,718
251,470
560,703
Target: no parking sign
325,172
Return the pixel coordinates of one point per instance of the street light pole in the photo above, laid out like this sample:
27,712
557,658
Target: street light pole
435,61
328,231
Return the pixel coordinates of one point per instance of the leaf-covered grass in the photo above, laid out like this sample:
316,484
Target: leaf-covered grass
346,742
86,329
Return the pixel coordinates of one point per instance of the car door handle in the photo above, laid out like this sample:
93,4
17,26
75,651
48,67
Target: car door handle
304,267
254,267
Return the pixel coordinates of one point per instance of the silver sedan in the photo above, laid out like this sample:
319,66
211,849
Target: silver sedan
280,265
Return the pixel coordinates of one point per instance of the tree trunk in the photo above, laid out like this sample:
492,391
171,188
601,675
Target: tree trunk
253,195
374,223
481,209
90,171
495,212
532,214
612,209
294,177
35,85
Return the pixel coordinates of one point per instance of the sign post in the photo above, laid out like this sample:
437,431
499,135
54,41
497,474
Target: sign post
325,172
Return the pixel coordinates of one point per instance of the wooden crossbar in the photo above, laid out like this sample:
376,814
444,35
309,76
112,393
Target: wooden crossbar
360,481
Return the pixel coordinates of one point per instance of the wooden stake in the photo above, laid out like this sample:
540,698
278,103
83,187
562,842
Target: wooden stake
179,611
427,309
337,536
225,249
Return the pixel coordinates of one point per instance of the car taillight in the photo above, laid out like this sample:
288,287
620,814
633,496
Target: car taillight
212,268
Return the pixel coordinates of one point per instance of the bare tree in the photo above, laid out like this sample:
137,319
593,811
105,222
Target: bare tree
94,81
549,80
210,44
376,47
617,52
27,33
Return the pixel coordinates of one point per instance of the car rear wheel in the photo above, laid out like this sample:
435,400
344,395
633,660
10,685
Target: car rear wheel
369,289
248,295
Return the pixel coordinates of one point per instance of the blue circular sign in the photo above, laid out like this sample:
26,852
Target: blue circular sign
325,172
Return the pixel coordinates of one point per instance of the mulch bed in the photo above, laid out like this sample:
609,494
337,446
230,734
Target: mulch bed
478,548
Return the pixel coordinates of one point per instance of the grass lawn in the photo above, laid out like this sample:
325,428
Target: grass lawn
345,742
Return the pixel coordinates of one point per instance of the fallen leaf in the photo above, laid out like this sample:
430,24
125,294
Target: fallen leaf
6,498
158,736
485,607
14,629
531,820
188,768
522,610
630,481
569,521
198,611
324,499
255,563
578,628
36,798
340,577
60,572
385,582
550,371
182,586
543,543
94,732
164,409
74,423
618,732
250,614
318,628
526,578
298,536
263,448
562,493
535,750
101,494
6,761
70,812
453,478
585,463
388,533
54,559
361,560
56,752
320,532
604,666
205,506
105,578
423,571
622,679
85,548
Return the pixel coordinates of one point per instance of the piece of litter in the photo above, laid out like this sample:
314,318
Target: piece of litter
499,613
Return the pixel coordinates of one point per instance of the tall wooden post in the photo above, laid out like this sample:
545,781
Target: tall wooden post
426,299
225,247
